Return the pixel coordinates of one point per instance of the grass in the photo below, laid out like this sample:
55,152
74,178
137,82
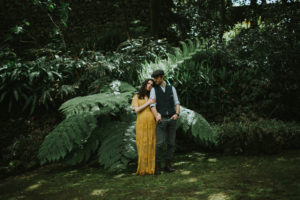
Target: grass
198,176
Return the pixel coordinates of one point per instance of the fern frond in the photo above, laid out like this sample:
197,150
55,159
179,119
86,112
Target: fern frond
192,123
189,49
82,153
119,147
75,139
70,134
111,102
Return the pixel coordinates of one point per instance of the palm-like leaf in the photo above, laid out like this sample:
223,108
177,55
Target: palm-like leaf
112,102
70,134
118,147
189,49
193,124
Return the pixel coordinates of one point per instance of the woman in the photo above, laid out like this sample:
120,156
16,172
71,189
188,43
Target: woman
145,129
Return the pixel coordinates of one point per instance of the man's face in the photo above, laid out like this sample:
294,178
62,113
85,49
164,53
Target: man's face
158,79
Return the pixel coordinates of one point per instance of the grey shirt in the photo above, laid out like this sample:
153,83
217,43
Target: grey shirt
153,96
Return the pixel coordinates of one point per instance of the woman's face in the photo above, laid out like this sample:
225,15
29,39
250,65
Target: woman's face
149,85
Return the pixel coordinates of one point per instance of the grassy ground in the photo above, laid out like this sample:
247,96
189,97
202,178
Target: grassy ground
198,176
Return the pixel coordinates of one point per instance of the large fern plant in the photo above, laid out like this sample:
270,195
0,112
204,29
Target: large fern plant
101,127
90,123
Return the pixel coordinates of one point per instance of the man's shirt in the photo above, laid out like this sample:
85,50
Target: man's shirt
153,95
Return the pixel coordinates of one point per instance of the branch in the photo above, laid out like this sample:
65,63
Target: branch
60,32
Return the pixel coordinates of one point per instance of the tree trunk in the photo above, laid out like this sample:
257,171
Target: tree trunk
124,4
154,14
223,19
253,17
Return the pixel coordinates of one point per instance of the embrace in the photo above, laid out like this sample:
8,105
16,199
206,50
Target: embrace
157,107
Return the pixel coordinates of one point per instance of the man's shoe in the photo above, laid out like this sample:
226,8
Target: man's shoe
157,169
168,167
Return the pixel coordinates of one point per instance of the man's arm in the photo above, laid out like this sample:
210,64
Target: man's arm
176,103
142,107
178,109
156,114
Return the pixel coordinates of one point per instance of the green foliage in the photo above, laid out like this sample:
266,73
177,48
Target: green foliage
72,133
50,78
277,81
127,61
111,102
199,18
102,121
26,27
197,128
76,138
260,136
213,91
241,75
173,60
31,84
119,148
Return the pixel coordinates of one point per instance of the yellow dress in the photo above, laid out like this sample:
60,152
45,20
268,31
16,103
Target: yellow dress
145,138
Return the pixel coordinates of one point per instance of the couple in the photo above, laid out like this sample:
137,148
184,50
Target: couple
157,109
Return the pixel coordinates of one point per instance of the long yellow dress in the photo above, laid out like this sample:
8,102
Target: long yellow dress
145,137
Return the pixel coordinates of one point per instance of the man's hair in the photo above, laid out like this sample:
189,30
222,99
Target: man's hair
158,73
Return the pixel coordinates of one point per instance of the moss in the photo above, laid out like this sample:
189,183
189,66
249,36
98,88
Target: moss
198,176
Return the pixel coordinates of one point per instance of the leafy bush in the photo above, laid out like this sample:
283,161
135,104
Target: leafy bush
127,61
23,30
272,50
255,137
50,78
39,82
241,75
21,139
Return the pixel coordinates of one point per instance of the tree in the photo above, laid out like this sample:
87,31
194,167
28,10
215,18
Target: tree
154,15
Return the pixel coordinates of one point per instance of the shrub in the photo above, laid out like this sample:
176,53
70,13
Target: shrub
254,137
49,79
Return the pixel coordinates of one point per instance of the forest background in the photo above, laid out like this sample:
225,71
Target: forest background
236,64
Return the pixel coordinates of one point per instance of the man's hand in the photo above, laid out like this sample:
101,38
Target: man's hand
158,118
174,117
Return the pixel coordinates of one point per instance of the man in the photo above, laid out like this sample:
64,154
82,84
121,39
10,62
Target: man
166,111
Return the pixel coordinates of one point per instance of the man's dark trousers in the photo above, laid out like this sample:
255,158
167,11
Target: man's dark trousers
165,131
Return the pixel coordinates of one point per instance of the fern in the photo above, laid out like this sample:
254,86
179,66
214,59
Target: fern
70,134
118,97
189,49
77,137
192,123
108,131
83,152
119,147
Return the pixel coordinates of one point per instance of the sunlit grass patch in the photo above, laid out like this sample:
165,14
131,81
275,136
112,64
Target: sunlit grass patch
185,173
212,160
33,187
218,196
99,192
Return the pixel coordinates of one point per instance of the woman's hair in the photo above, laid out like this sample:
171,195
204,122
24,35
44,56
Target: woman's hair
143,91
